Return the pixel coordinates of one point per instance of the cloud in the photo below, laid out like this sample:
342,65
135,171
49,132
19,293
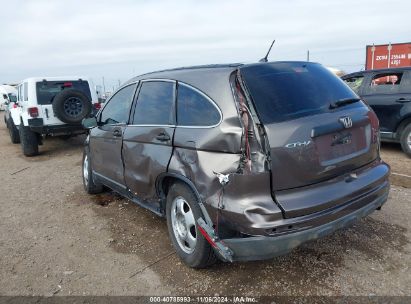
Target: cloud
119,38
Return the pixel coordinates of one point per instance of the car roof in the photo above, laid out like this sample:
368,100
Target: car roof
387,70
202,68
212,80
55,78
185,72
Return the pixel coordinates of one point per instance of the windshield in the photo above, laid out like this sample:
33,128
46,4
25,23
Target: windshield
288,90
12,97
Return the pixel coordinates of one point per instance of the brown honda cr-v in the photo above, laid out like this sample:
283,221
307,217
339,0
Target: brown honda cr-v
246,162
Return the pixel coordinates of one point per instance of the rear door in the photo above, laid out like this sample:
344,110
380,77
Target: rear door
106,139
384,93
147,143
310,141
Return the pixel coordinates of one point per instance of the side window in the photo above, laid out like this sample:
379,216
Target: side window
355,82
155,103
195,109
385,83
117,109
25,93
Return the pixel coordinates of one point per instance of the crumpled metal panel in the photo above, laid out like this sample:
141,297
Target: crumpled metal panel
245,204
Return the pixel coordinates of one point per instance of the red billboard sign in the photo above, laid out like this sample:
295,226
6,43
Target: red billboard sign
388,56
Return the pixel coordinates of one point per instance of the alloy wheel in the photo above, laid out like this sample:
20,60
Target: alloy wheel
85,170
183,223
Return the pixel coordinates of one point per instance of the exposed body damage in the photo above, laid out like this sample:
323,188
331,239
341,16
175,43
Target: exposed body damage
263,186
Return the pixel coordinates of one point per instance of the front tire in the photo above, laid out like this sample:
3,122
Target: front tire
182,212
406,140
13,131
89,184
29,141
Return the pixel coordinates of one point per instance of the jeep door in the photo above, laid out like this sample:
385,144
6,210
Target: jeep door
384,93
106,139
147,142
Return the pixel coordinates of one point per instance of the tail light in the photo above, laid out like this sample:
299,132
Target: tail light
97,106
375,128
33,112
67,84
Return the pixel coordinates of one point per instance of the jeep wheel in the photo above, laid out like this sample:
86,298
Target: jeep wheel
90,185
28,140
13,131
406,140
182,210
71,106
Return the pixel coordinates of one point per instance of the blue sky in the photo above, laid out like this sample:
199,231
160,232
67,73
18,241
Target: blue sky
122,38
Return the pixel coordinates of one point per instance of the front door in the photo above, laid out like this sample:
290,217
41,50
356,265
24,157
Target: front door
147,140
383,93
106,139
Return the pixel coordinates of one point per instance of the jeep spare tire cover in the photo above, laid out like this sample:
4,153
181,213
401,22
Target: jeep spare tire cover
71,106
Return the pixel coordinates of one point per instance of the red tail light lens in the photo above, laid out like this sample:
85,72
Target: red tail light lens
33,112
97,106
68,84
375,128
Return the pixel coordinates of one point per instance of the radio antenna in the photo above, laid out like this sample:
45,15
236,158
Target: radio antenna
266,56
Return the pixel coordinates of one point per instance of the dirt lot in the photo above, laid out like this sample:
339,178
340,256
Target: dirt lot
56,240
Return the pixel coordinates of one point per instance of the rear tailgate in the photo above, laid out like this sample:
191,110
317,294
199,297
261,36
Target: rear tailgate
310,142
308,159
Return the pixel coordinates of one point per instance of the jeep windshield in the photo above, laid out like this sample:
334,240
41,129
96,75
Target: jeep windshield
47,90
287,90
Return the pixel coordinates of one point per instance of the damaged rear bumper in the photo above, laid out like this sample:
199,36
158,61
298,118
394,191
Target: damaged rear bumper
266,247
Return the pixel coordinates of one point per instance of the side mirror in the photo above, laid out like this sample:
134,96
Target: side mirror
89,123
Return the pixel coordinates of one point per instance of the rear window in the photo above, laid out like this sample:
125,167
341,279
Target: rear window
289,90
47,90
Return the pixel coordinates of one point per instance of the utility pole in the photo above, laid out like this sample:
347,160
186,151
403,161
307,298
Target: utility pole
308,55
119,83
104,87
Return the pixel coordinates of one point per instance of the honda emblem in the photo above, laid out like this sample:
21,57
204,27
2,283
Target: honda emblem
346,121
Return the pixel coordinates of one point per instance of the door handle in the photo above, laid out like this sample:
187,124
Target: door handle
116,133
163,137
403,100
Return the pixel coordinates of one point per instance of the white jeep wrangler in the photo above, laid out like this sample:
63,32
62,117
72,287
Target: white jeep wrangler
50,106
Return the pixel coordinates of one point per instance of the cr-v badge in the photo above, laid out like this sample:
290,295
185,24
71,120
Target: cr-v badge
346,121
298,144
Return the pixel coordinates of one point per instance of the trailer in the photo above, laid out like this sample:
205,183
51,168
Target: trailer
385,56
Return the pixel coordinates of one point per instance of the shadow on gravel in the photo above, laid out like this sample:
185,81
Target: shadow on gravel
306,270
55,147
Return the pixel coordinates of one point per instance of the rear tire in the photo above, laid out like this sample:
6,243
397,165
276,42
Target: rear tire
13,131
182,212
28,140
405,140
91,186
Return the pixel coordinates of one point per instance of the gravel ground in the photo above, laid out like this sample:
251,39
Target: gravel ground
56,240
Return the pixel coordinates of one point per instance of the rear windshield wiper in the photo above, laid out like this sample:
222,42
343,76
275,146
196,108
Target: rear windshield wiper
342,102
